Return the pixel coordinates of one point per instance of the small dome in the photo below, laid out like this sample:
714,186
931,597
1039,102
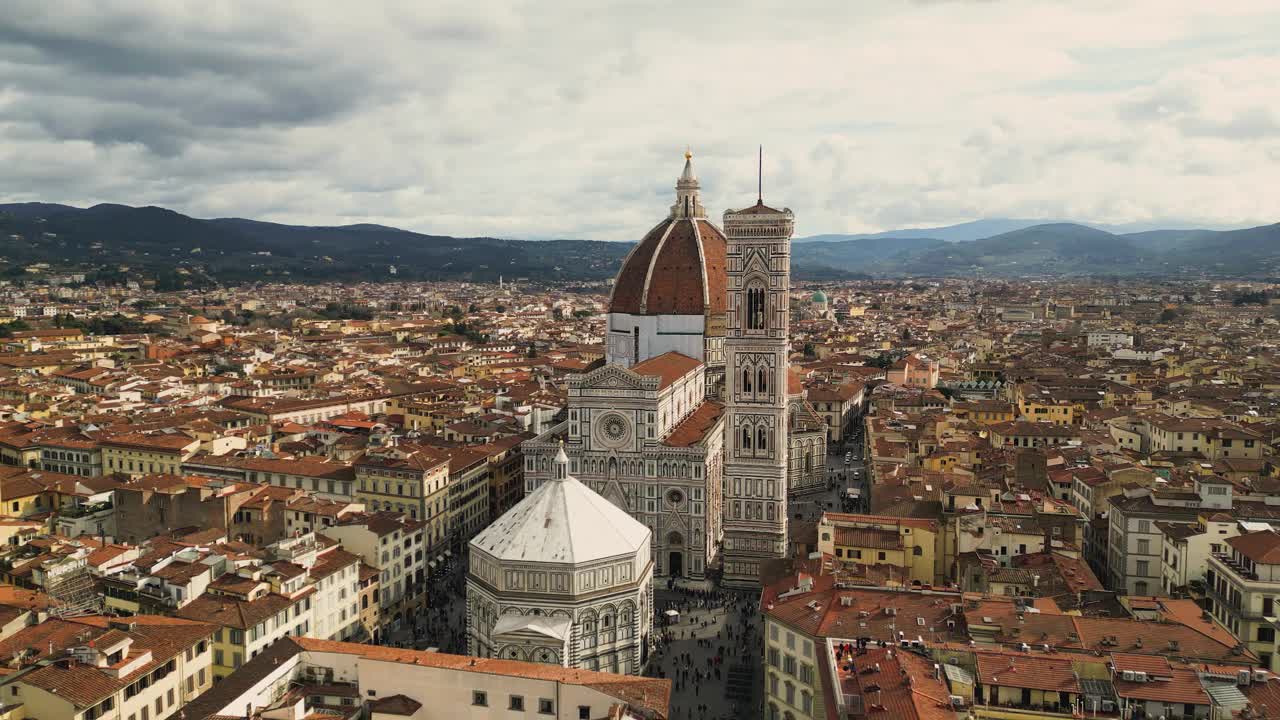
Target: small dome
819,297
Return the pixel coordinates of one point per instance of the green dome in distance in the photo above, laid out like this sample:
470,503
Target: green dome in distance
819,297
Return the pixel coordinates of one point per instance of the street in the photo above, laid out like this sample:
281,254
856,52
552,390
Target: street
840,478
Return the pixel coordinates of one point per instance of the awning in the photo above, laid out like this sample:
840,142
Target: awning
439,558
432,564
448,553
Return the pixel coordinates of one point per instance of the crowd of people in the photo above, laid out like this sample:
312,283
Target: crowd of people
444,624
715,634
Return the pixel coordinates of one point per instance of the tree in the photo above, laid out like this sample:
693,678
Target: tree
1168,315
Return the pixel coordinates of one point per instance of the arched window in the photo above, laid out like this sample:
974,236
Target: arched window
762,381
755,307
746,380
762,443
746,438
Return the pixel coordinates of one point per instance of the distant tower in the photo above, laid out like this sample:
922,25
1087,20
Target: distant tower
756,347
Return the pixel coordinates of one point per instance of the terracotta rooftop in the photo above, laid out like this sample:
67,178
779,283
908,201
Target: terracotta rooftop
669,367
695,426
894,685
1261,547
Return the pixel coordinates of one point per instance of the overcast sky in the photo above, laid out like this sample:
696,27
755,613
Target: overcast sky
559,119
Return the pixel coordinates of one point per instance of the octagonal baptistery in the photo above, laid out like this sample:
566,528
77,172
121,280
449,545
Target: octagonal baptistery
671,293
564,577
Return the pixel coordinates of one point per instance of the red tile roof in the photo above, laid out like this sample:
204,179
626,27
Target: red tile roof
1025,670
669,366
1182,687
695,426
896,685
1261,547
643,692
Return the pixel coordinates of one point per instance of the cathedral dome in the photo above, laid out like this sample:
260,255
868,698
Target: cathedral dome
679,267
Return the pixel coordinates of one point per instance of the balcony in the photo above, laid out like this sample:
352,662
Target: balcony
79,511
157,596
1236,567
294,550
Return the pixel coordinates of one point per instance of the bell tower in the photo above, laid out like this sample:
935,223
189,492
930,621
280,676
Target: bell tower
756,347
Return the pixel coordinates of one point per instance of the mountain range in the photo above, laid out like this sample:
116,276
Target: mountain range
164,243
113,239
1064,249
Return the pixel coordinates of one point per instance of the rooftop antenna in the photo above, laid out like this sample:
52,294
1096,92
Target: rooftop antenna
760,177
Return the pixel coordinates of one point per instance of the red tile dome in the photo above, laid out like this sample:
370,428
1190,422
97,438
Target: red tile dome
679,267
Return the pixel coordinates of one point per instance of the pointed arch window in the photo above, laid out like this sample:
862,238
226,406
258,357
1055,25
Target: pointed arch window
746,380
762,382
746,438
755,307
763,442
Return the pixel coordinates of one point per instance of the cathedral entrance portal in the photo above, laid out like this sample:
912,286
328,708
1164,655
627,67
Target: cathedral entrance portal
675,559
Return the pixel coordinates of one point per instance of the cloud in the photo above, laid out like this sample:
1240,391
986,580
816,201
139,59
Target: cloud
568,119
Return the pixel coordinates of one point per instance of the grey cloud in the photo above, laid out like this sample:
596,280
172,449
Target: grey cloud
568,119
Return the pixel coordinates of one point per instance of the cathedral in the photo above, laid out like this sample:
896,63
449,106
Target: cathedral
695,425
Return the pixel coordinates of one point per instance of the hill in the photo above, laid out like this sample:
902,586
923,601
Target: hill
962,232
163,244
108,241
1064,249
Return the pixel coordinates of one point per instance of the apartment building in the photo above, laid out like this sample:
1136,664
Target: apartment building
396,546
1243,587
323,478
1136,543
251,608
405,478
800,611
910,545
138,668
1187,548
839,405
145,453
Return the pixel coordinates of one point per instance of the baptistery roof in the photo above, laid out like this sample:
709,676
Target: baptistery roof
563,521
